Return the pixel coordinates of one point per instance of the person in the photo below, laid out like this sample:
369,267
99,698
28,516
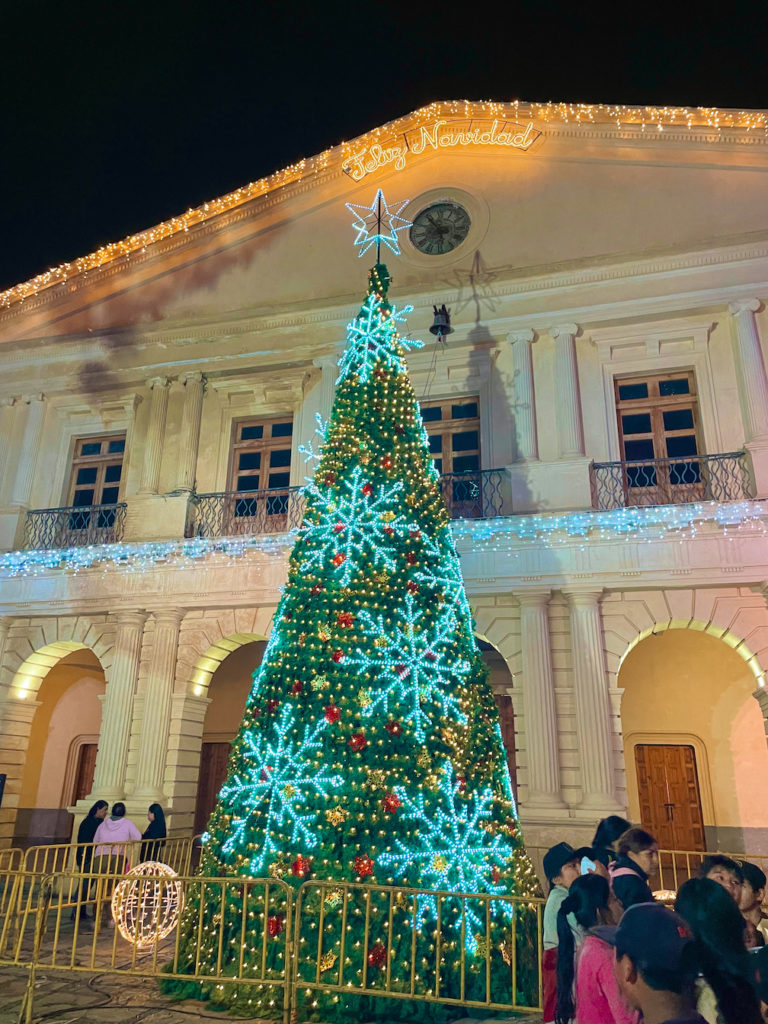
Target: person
751,905
654,967
84,851
638,859
561,869
594,860
725,991
596,995
153,838
607,832
111,852
725,872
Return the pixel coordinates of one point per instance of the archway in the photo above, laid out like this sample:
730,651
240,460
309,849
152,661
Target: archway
66,681
694,741
502,684
228,684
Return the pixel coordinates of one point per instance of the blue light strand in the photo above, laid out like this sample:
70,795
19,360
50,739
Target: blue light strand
373,342
369,221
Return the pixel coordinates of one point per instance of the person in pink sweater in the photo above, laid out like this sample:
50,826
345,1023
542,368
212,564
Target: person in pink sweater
111,856
598,1000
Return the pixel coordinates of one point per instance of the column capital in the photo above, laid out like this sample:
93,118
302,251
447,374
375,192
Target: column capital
135,619
29,399
158,382
744,306
524,335
6,401
583,595
564,330
537,597
194,377
169,616
326,362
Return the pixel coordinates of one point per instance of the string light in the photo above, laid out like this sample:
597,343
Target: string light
147,903
746,126
369,221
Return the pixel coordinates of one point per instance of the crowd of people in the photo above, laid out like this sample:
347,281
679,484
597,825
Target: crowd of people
105,844
614,955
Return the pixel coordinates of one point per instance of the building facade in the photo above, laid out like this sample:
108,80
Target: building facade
599,415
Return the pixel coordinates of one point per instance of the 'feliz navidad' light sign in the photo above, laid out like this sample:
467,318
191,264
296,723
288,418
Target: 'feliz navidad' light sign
439,135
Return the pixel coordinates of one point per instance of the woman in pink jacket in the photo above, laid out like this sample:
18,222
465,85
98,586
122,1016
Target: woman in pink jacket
594,997
111,854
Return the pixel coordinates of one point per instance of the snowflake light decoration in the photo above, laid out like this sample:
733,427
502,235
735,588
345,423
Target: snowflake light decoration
348,526
308,449
452,850
379,223
373,340
443,573
281,773
411,665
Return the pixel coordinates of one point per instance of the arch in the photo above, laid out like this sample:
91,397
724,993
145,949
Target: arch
34,646
733,641
209,662
30,674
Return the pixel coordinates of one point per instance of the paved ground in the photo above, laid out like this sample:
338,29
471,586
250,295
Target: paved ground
62,998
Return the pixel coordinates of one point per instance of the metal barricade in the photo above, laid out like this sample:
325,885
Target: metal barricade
486,951
51,932
10,866
677,866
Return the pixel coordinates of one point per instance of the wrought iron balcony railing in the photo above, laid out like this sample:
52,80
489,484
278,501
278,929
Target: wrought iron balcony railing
75,526
472,495
722,477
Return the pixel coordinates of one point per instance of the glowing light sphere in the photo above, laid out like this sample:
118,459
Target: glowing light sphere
147,903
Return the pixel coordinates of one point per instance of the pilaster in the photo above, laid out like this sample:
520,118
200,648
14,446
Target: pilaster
153,444
753,388
570,429
194,388
526,434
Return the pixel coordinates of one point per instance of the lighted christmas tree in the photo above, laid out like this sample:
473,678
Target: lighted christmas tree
370,749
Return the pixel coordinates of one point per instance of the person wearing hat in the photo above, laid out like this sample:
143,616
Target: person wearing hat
655,967
751,905
562,868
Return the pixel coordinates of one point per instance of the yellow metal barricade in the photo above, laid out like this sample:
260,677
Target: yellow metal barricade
677,866
486,951
51,932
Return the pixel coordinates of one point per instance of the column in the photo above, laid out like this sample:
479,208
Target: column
761,696
754,381
7,413
29,449
155,726
329,367
526,435
590,683
570,429
153,442
194,386
117,713
541,738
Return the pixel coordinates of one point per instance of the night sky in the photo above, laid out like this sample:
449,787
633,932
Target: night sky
117,116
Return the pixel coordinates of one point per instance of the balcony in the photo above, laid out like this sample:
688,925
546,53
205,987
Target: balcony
473,495
722,477
75,526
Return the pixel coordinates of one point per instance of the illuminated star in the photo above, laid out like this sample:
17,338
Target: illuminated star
378,223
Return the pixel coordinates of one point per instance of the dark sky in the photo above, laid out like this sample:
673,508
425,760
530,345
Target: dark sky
118,115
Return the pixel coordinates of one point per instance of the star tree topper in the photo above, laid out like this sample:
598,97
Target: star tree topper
378,223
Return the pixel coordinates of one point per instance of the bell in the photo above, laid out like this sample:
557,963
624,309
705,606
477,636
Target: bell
441,325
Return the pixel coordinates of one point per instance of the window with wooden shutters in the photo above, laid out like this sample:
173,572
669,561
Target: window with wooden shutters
97,470
453,428
261,462
658,418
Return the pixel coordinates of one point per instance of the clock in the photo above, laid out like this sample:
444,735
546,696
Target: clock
440,228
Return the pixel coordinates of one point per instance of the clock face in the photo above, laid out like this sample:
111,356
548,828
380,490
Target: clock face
440,228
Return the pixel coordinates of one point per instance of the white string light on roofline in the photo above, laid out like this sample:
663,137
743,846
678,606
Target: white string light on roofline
683,522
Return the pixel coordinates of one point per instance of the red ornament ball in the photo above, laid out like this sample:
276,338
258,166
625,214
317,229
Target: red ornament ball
338,527
415,534
332,713
300,866
317,589
345,619
338,656
275,925
272,706
377,956
297,687
495,875
393,727
330,479
363,865
411,558
358,741
387,462
339,559
411,587
367,490
391,803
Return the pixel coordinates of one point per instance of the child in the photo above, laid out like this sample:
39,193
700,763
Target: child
725,872
561,868
750,905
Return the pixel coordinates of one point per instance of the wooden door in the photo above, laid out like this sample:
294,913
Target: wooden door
214,758
668,788
86,766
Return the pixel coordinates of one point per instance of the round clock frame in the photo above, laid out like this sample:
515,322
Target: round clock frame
440,227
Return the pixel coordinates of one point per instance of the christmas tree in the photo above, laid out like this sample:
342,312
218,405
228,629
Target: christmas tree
370,749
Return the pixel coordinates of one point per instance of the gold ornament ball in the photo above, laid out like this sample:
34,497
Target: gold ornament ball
147,903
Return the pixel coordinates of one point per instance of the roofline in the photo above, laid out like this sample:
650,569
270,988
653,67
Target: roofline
616,115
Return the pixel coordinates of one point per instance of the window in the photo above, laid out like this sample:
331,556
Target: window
453,428
97,468
658,419
261,461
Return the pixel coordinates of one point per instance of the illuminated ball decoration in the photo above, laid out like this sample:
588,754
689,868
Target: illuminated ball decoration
147,903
